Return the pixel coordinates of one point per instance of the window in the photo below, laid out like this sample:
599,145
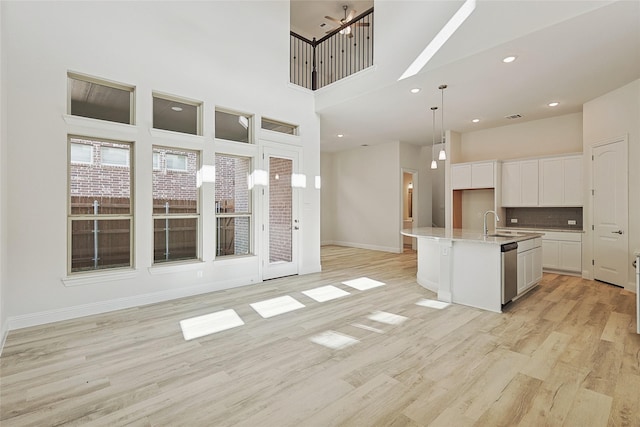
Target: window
100,215
174,114
281,127
156,161
233,126
97,99
233,205
175,206
176,162
81,153
113,156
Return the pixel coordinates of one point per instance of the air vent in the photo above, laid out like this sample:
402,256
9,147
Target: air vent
513,116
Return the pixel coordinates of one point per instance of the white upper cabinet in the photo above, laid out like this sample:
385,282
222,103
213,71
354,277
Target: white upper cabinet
520,183
472,175
553,181
561,181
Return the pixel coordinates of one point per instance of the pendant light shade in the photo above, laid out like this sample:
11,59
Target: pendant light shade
442,155
434,164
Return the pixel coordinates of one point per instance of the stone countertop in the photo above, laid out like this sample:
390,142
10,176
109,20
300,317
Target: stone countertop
458,234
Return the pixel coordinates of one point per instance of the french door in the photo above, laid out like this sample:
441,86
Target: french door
281,221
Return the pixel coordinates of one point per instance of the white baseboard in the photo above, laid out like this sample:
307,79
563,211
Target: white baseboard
3,336
370,247
66,313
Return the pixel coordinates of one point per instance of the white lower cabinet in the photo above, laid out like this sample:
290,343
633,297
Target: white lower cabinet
529,263
562,252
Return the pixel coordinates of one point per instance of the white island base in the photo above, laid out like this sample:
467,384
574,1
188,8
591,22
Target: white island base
462,267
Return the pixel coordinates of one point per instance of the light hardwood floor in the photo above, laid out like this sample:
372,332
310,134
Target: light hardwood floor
565,354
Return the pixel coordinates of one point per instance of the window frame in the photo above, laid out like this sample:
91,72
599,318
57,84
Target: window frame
181,100
294,128
71,75
250,125
250,214
197,215
72,217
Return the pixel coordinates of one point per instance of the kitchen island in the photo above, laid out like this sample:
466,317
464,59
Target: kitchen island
465,267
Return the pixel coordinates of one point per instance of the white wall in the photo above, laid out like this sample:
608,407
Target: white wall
189,49
367,197
612,115
328,198
556,135
3,185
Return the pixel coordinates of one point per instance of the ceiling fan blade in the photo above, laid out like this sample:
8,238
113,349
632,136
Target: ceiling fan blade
350,16
361,24
337,21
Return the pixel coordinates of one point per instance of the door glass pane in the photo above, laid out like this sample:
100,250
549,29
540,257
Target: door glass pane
280,208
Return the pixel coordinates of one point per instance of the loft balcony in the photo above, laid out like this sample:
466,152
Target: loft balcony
341,53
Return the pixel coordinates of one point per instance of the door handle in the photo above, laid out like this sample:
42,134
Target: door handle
617,232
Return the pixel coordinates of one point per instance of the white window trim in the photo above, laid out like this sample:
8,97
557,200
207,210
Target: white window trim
103,82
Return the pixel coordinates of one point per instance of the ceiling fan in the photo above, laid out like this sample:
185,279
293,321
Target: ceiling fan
347,18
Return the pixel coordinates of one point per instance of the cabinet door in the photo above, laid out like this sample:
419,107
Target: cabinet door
573,181
571,256
511,184
537,264
529,183
551,254
482,175
460,177
551,182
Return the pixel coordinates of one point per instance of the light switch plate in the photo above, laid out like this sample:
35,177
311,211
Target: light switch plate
514,220
571,222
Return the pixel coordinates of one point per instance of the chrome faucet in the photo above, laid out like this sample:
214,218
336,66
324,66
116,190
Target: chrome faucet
485,230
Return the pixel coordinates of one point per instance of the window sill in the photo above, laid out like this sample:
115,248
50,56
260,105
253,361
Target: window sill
86,122
234,259
93,278
176,267
177,136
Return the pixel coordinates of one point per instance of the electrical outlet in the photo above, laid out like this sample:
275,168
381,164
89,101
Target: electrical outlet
514,220
572,222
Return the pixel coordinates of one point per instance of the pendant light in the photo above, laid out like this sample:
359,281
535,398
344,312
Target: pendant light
434,164
442,155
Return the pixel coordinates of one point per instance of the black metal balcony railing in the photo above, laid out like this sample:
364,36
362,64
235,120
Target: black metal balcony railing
345,51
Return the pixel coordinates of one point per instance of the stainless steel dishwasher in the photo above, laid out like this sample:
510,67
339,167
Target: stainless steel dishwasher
509,255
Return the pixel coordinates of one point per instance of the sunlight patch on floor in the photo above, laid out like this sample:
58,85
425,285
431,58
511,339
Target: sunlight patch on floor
325,293
363,283
387,318
334,340
200,326
276,306
433,304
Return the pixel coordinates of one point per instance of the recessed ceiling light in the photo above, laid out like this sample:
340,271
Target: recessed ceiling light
509,59
415,90
340,135
475,120
553,104
176,108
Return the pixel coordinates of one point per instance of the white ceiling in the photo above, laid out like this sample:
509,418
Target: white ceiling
568,51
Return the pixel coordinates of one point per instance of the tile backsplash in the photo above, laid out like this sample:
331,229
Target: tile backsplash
545,218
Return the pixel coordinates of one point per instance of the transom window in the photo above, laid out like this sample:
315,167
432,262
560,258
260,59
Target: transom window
100,215
176,114
233,126
281,127
233,205
100,99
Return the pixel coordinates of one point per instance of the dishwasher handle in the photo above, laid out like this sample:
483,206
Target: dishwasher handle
509,247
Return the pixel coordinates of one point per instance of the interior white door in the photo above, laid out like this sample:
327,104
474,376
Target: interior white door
281,222
610,212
